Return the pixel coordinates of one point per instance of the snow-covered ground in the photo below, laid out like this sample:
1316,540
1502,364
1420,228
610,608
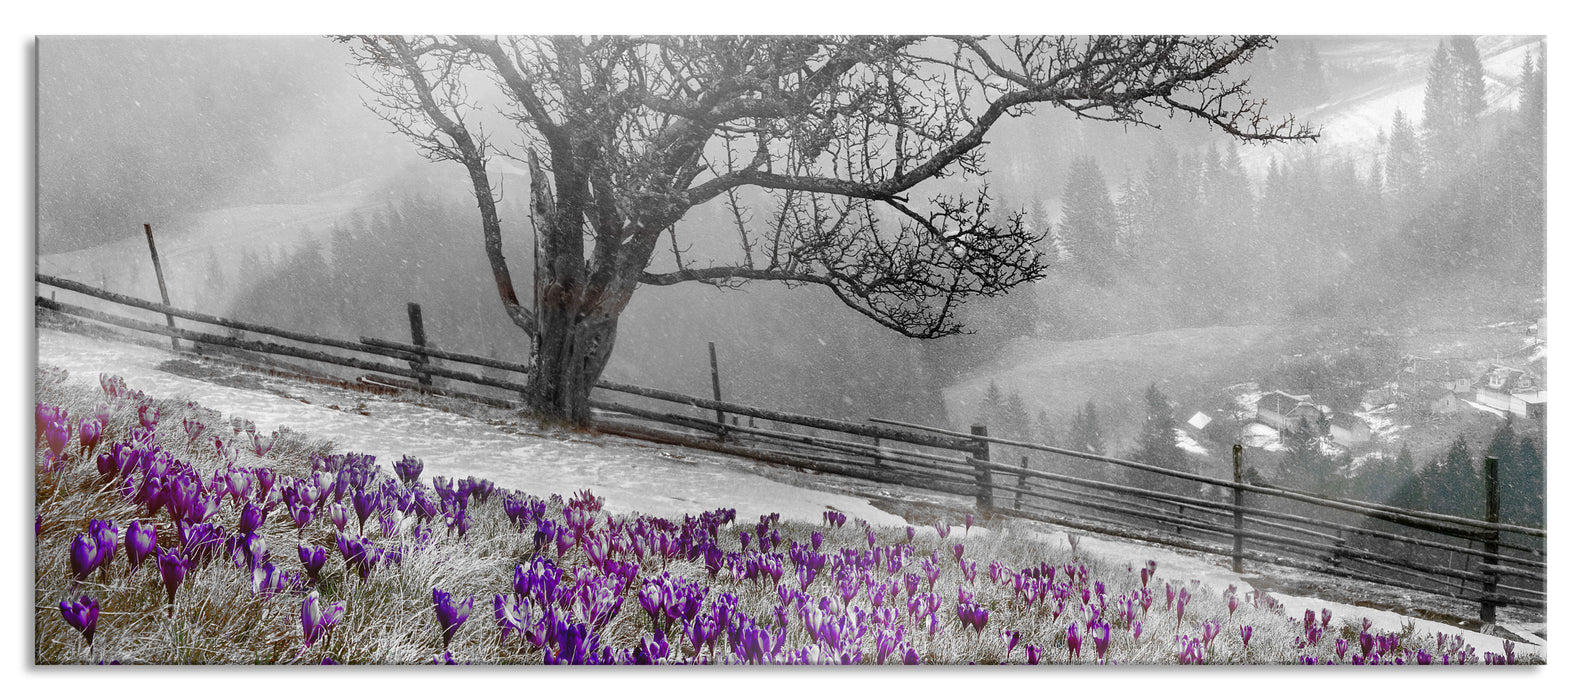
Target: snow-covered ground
630,475
1261,437
1381,420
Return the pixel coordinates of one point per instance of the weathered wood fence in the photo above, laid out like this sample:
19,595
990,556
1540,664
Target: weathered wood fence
1487,561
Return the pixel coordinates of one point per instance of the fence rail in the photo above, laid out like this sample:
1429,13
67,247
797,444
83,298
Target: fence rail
1487,561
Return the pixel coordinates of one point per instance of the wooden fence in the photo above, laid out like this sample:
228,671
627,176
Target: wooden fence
1487,561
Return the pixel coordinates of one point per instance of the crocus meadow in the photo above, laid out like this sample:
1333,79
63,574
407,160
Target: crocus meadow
279,550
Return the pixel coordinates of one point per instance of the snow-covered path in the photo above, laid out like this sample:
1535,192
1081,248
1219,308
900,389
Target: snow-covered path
630,475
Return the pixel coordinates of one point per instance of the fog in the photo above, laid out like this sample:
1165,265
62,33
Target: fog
277,197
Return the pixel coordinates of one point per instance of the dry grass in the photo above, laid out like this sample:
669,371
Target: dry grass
219,619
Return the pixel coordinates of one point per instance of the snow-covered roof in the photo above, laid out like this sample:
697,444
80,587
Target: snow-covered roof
1186,442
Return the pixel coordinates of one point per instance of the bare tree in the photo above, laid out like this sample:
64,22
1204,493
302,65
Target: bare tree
623,135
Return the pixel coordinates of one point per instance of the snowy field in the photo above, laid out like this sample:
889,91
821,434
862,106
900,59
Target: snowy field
630,475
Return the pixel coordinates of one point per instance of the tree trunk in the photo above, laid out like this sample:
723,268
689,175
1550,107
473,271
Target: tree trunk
573,350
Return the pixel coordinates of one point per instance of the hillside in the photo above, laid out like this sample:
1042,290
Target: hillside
1397,68
1060,376
635,476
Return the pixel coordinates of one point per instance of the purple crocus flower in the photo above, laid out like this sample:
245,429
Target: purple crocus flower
56,436
301,514
313,558
1033,654
239,484
1101,639
1327,615
1246,635
1073,641
255,549
338,516
108,537
969,569
364,502
140,542
262,447
172,570
1341,647
266,480
319,619
84,555
968,526
451,616
408,469
251,519
507,615
652,650
89,432
148,415
1210,631
82,614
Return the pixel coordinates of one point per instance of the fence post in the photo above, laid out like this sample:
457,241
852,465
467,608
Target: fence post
980,461
159,274
714,374
1491,542
1021,483
414,313
1236,496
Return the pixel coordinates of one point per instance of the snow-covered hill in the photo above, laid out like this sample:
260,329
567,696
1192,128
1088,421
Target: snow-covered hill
1352,120
187,244
633,475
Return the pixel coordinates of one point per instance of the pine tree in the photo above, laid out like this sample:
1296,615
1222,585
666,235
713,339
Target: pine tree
1014,420
1130,220
1304,466
1047,434
1439,111
992,406
1453,102
1403,168
1522,485
1086,434
1410,492
1451,484
1088,231
1157,445
1469,88
1533,107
